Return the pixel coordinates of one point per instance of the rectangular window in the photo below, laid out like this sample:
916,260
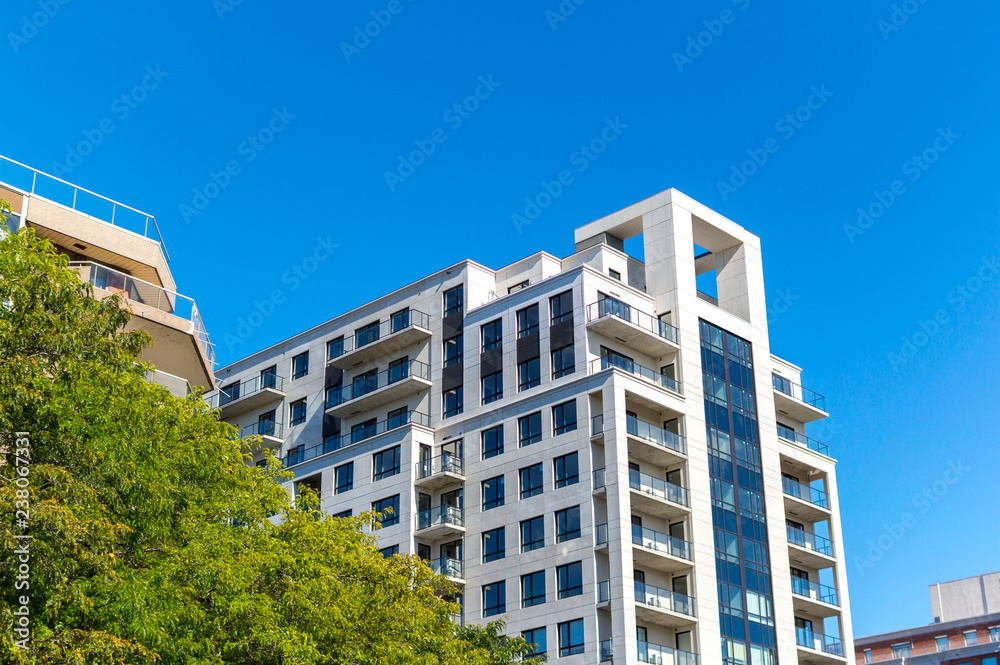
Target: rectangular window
971,639
343,478
517,287
396,418
529,374
229,393
567,470
901,650
453,351
492,442
530,429
387,552
994,633
527,321
453,301
533,589
493,335
494,599
942,643
781,384
564,418
531,481
494,548
335,348
386,463
386,506
570,579
298,412
614,274
562,307
366,335
453,402
399,369
868,655
492,387
493,494
563,362
570,638
532,534
346,513
568,524
535,637
399,320
269,377
300,365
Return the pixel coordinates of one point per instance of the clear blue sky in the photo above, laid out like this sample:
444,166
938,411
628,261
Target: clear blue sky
688,122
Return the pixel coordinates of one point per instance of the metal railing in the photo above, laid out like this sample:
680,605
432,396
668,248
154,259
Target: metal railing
618,309
651,596
362,385
819,642
814,591
803,440
137,290
661,489
607,651
236,391
810,541
448,567
655,434
443,463
263,428
660,542
794,390
365,336
350,438
661,655
440,515
57,190
805,492
635,369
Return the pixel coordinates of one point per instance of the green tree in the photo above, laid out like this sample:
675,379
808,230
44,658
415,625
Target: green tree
150,534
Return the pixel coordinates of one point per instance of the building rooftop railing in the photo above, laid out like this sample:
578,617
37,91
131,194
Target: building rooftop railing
57,190
625,312
139,291
795,391
812,495
803,440
365,336
635,369
336,442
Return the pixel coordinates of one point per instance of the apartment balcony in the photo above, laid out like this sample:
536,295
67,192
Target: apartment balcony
652,548
302,454
663,607
453,569
818,649
653,444
177,385
441,522
797,402
370,392
636,329
441,471
809,550
637,371
814,599
181,346
657,497
802,441
238,398
660,655
806,503
388,338
606,651
271,434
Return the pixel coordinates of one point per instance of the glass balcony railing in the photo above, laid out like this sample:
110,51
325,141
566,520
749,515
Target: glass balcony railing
339,441
144,293
448,567
661,489
660,655
625,312
262,428
601,535
599,478
810,541
365,336
651,596
654,434
635,369
604,591
362,385
795,391
597,425
660,542
819,642
607,651
803,440
805,492
814,591
443,463
439,516
254,384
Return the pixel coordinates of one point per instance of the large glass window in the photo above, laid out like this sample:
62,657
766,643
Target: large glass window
900,651
493,545
343,478
529,374
387,552
536,637
335,348
492,442
492,387
453,301
530,429
567,470
399,369
366,334
971,639
527,321
297,412
563,362
532,534
568,524
493,335
562,307
453,351
531,481
571,638
570,580
494,599
493,494
533,589
386,463
453,402
269,377
300,365
399,320
564,417
385,506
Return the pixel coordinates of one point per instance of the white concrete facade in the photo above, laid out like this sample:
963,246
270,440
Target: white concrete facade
639,437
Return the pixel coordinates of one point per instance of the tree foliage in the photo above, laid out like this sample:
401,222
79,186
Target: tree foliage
151,541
